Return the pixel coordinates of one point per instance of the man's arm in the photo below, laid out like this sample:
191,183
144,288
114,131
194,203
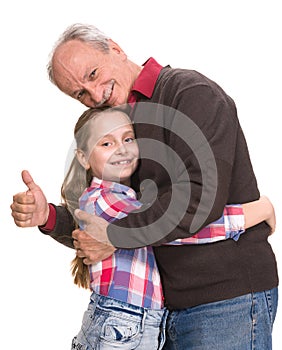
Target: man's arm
232,224
61,226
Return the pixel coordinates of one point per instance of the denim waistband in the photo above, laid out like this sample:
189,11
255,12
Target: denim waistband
132,311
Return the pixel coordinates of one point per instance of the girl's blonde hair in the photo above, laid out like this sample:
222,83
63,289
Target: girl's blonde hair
76,180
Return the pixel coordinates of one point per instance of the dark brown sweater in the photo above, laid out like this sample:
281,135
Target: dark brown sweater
194,154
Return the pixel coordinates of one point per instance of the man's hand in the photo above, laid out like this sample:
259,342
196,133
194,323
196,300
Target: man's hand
30,208
92,243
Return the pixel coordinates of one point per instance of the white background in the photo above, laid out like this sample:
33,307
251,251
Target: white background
237,44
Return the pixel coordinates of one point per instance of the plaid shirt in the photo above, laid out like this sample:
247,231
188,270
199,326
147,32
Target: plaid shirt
132,276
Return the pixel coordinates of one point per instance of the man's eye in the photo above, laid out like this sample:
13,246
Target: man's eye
80,94
92,74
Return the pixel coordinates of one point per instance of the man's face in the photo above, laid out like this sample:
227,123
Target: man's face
91,76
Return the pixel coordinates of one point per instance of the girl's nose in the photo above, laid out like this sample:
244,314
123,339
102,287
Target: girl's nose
121,149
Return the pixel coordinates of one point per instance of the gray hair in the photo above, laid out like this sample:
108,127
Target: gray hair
83,32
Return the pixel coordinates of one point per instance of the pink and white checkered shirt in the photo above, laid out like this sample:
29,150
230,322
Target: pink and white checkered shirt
132,276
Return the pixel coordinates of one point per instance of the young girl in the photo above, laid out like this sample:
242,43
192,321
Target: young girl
127,305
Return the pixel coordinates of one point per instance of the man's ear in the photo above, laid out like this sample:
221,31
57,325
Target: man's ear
80,155
116,48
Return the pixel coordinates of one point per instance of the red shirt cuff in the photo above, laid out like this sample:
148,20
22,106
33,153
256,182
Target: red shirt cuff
50,224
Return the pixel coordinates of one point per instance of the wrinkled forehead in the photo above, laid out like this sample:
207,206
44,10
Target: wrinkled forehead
70,49
69,62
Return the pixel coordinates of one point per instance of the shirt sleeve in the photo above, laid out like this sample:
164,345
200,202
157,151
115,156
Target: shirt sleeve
229,226
51,221
111,205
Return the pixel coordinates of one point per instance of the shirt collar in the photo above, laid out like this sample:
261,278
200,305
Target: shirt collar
146,81
113,186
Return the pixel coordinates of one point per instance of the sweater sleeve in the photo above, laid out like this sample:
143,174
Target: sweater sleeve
64,225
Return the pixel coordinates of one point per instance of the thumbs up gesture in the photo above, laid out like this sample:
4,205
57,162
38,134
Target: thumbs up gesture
30,208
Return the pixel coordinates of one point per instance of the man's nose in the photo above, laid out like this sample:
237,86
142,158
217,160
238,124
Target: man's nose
95,92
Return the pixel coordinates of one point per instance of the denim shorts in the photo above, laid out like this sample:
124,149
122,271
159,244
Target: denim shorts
112,324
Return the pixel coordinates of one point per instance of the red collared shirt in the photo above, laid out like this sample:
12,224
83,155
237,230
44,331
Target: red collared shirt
145,83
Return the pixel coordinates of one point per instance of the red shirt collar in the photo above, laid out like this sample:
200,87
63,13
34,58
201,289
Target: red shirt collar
145,83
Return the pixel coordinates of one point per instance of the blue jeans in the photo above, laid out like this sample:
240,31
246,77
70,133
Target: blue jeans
111,324
242,323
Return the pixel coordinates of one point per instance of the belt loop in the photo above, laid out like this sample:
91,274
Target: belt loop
143,320
95,299
164,318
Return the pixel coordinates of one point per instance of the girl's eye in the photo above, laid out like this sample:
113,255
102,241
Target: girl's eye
106,144
129,139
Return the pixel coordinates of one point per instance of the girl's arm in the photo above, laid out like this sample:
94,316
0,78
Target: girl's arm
258,211
234,221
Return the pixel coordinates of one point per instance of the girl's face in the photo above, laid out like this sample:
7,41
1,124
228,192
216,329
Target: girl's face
113,151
